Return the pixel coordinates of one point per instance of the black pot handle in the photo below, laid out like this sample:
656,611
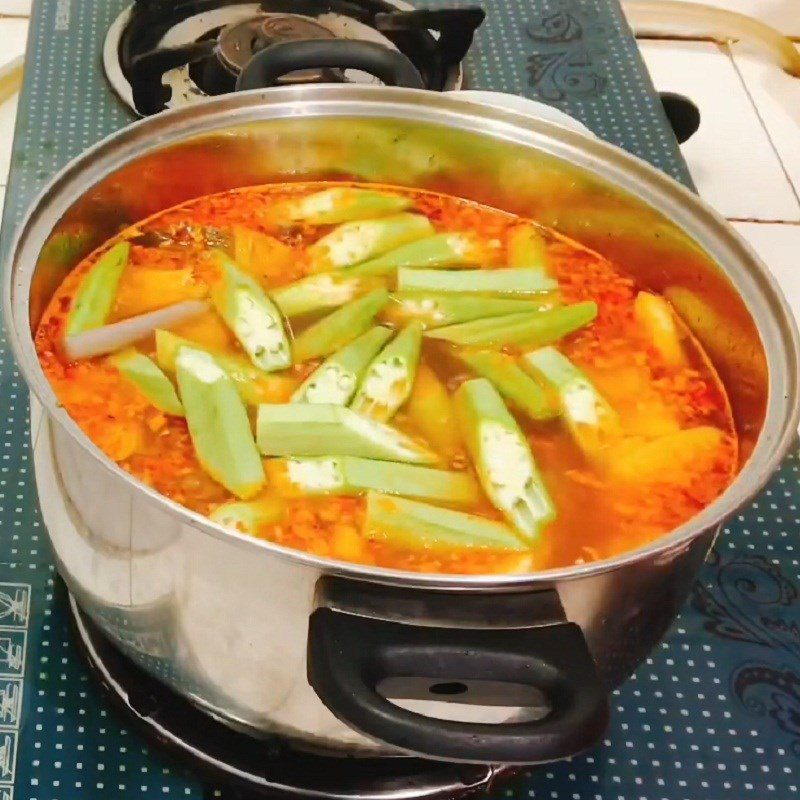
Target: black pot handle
266,66
350,656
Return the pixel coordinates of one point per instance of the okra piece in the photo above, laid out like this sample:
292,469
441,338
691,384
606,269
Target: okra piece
253,385
252,316
332,206
143,373
431,410
218,424
657,322
442,251
511,282
321,292
355,242
504,462
345,475
308,429
249,517
336,380
544,327
95,296
526,248
388,380
512,382
411,524
342,326
434,309
590,418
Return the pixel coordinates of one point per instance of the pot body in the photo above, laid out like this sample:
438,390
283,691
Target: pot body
229,629
224,619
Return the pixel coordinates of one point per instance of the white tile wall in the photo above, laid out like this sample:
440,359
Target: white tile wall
731,157
8,114
15,8
779,248
13,34
776,96
781,14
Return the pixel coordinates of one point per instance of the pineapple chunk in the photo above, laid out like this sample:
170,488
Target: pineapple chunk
673,458
657,322
144,289
263,257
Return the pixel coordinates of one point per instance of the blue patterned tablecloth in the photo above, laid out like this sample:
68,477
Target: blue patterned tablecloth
713,714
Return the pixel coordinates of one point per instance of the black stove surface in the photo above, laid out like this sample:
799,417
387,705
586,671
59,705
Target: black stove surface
240,767
216,38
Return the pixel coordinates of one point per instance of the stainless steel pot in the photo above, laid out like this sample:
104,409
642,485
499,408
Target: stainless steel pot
273,640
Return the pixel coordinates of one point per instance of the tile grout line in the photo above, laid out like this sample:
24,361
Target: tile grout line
795,189
676,37
754,221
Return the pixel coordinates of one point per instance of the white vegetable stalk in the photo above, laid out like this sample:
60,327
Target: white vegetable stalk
110,338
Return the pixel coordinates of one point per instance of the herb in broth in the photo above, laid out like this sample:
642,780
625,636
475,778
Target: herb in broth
393,377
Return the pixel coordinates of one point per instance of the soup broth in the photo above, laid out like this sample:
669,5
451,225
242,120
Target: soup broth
513,401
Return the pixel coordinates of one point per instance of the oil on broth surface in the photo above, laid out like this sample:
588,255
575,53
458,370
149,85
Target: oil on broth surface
670,452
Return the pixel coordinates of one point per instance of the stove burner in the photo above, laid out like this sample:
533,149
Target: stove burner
250,769
161,55
239,42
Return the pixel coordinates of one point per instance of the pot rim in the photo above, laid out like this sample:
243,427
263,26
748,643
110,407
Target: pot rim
625,171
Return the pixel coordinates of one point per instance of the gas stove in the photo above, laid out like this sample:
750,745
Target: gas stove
160,54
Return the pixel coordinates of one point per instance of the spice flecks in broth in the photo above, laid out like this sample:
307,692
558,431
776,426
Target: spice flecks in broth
630,437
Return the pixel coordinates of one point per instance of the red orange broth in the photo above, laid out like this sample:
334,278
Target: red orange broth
597,517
